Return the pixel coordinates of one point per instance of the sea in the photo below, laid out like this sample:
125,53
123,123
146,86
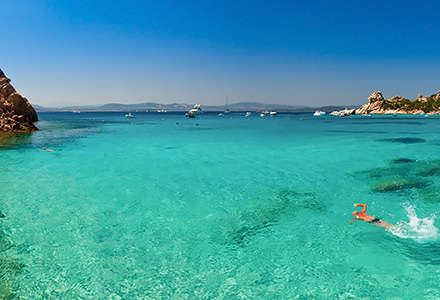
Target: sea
220,207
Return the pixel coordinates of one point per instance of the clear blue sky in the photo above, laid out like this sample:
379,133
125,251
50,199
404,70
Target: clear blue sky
311,52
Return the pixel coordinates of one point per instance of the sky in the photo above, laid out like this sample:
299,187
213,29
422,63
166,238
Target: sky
311,52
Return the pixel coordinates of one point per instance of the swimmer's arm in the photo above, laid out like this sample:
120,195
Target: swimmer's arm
354,220
364,207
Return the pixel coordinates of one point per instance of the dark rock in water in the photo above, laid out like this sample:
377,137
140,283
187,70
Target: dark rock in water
408,140
402,161
394,186
403,176
434,171
266,215
1,215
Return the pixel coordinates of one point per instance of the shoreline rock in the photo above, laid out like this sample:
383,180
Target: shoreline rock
378,104
16,113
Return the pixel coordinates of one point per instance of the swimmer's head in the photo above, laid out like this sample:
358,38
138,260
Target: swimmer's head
355,213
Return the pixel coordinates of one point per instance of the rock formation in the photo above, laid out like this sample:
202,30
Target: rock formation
16,113
378,104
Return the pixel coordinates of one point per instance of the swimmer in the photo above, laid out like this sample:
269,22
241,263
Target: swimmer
48,149
367,218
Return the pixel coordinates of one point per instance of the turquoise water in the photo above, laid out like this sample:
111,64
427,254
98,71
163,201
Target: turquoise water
164,207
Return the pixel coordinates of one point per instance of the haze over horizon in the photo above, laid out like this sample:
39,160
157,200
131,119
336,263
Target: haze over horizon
311,53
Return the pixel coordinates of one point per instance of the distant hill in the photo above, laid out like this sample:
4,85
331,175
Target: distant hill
152,106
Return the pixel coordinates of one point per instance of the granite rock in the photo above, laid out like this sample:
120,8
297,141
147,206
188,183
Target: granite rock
16,113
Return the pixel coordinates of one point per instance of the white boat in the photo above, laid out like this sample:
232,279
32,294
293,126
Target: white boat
196,110
319,113
227,111
130,116
273,113
193,112
334,113
220,115
248,114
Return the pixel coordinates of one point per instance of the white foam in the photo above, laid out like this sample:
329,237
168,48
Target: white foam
419,229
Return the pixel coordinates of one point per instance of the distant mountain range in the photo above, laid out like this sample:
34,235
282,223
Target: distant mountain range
151,106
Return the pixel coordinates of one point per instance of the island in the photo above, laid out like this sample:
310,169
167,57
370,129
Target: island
16,113
377,104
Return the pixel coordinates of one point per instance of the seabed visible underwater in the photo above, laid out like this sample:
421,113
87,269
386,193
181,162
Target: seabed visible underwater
166,207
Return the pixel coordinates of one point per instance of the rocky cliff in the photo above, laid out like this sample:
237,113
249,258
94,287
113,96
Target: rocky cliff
16,113
377,104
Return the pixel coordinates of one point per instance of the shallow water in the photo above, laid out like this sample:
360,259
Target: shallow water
164,207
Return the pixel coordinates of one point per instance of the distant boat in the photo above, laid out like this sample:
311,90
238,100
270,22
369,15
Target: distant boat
130,116
273,113
220,115
76,111
319,113
196,110
227,111
248,114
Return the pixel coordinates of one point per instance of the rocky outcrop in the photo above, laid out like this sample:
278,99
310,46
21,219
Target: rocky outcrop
16,113
378,104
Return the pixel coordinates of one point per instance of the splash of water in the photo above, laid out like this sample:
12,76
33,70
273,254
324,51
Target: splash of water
419,229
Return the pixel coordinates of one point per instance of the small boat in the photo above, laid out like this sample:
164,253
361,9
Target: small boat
248,114
319,113
130,116
196,110
273,113
220,115
190,115
227,111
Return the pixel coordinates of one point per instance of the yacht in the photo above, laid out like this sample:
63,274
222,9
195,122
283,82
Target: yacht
319,113
196,110
273,113
130,116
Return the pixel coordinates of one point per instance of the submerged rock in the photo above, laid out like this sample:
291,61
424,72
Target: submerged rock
407,140
402,161
16,113
267,214
393,186
404,176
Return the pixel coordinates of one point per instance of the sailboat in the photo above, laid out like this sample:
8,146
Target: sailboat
227,111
